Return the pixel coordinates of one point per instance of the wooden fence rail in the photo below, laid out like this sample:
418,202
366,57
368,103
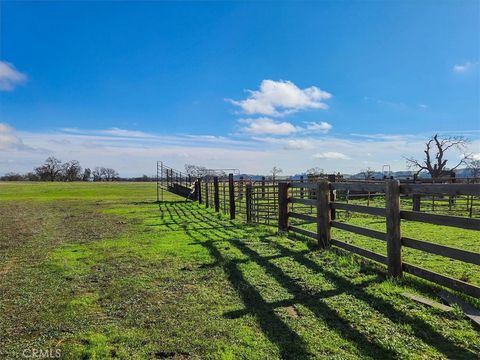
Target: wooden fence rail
392,190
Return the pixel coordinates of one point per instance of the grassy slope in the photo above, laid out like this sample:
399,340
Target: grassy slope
100,271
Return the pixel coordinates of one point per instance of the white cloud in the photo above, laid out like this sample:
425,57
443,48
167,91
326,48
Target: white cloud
465,67
10,77
112,132
298,144
331,155
322,127
475,156
278,98
9,140
267,126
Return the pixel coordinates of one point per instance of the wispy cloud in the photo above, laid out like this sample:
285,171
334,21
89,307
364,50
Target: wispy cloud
387,103
115,132
383,137
118,137
322,127
267,126
395,105
10,77
331,155
279,98
465,67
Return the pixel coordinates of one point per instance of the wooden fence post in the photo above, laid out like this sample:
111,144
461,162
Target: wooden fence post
206,193
323,214
248,202
301,189
199,190
231,196
416,201
216,195
333,212
240,187
282,207
263,187
394,240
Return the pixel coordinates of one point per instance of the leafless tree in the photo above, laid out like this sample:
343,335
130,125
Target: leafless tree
98,173
435,162
315,171
367,173
110,174
12,176
201,171
313,174
275,171
31,176
196,171
102,173
474,168
71,171
50,170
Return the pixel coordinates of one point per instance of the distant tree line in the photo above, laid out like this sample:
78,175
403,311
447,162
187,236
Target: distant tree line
54,170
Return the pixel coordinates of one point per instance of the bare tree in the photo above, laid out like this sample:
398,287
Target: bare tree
31,176
474,168
50,170
275,171
12,176
195,170
315,171
313,174
110,174
367,173
435,162
201,171
98,173
71,170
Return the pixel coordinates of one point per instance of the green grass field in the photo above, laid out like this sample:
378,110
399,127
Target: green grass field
100,270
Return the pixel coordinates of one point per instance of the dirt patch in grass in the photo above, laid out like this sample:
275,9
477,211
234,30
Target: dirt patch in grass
85,225
19,223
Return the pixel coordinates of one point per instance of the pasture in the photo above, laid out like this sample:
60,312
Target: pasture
101,270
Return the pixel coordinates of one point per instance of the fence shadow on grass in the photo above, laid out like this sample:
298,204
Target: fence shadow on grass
213,233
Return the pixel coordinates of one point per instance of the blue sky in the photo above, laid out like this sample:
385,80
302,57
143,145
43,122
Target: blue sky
337,85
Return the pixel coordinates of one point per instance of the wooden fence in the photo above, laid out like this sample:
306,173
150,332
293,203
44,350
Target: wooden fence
322,198
288,203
